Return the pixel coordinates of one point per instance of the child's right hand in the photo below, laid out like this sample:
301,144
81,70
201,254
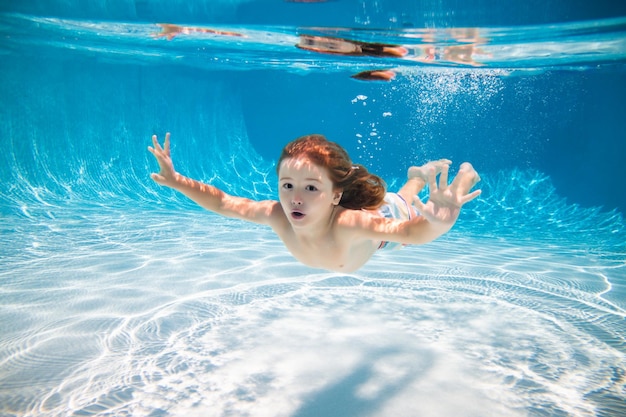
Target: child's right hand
167,175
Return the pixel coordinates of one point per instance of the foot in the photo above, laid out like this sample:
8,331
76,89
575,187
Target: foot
466,178
424,171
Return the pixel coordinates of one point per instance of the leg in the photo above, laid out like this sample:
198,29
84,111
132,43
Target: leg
411,188
465,179
418,178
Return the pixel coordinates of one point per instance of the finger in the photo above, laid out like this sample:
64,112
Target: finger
155,142
456,181
157,178
432,179
470,197
151,150
443,178
167,143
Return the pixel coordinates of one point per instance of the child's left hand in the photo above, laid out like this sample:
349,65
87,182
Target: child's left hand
445,201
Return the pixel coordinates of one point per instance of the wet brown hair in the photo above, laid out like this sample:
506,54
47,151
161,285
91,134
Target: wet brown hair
361,189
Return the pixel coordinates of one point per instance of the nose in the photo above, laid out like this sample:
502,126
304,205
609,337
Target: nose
296,200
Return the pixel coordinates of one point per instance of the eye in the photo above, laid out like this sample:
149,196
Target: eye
311,188
287,186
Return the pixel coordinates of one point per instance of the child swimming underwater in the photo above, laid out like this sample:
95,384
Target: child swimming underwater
334,214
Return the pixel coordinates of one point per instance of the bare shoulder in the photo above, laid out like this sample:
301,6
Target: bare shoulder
277,219
263,212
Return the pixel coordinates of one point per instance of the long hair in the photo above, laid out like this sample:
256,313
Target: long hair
361,189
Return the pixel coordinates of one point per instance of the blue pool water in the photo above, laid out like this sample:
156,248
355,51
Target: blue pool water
118,297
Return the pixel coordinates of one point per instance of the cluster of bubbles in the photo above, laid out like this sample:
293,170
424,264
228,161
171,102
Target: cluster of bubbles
435,94
404,122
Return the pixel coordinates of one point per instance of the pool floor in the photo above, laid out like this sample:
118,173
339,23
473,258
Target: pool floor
159,313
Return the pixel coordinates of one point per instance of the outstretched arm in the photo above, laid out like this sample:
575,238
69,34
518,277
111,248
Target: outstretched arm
207,196
437,215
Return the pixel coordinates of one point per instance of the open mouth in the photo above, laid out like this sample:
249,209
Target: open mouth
297,215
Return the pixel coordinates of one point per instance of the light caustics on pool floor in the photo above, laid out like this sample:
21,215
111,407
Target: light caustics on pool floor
146,312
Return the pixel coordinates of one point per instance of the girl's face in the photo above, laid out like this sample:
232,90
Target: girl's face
306,192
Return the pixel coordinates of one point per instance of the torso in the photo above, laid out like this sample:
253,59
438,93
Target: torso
335,251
